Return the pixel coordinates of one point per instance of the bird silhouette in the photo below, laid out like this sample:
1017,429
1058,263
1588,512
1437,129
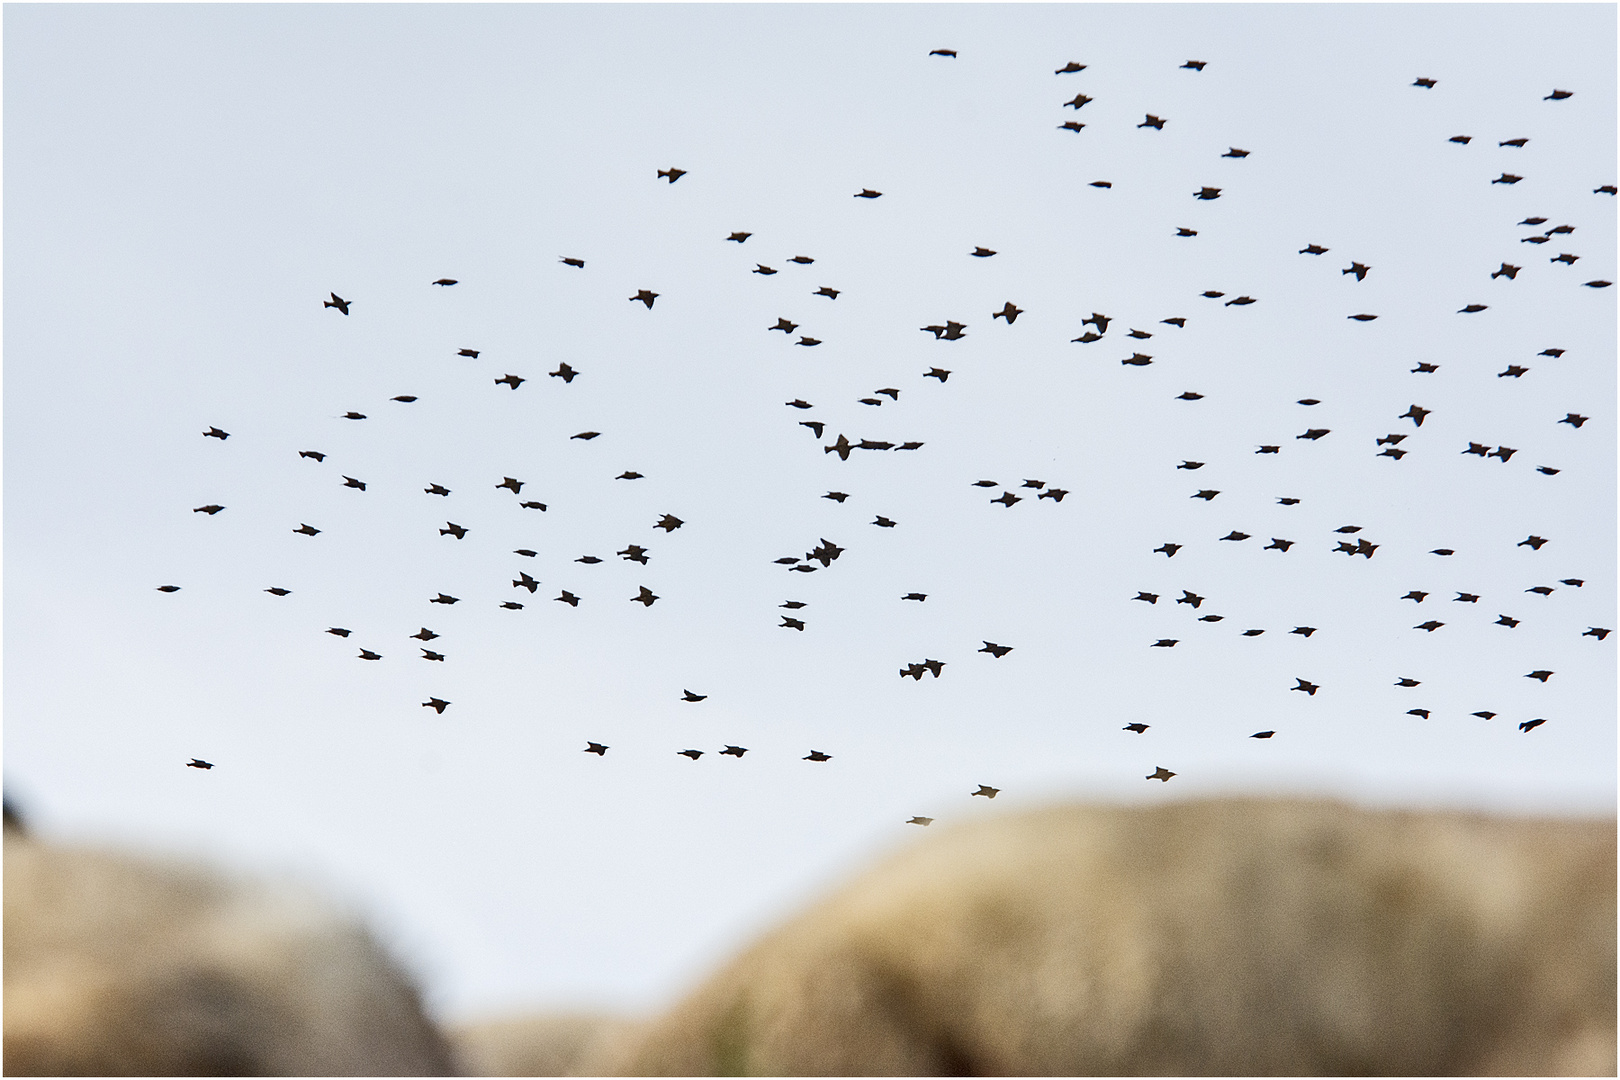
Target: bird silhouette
1463,139
445,598
1009,311
790,623
1558,95
1415,595
1007,499
739,237
808,341
452,529
513,381
883,522
987,792
1164,643
595,748
1362,318
428,654
1310,688
693,754
1407,682
339,631
438,705
278,591
761,268
577,263
354,416
645,597
734,751
1425,83
1529,725
646,296
1574,420
1598,632
367,654
1507,178
1207,193
1566,258
1235,535
423,634
1358,269
586,436
216,433
524,581
785,326
1507,621
1312,434
1070,67
511,605
337,302
1206,494
211,509
1168,549
473,353
1431,626
628,474
915,596
1313,249
1532,542
567,598
1195,65
1153,122
1188,395
316,454
1508,271
997,651
867,193
1190,598
307,530
816,755
565,373
1160,773
672,173
1280,545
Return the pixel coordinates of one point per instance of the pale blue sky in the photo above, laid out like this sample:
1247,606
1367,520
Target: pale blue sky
185,184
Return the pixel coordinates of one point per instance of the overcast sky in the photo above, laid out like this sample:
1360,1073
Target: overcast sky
186,184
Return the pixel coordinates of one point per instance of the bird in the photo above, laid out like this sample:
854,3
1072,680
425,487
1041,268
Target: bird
987,792
1597,284
1362,318
576,263
687,695
1532,542
1606,189
1532,724
1190,598
445,598
423,634
1007,499
1087,338
1182,230
1152,598
1574,420
588,560
1508,271
867,193
827,291
1573,582
883,522
524,581
586,436
1055,494
1313,249
1235,535
912,596
981,252
1541,590
1009,311
785,326
473,353
1415,595
339,631
1431,626
1169,550
739,237
1234,152
1241,301
1070,67
445,281
673,173
1071,125
798,403
1303,631
1153,122
428,654
808,341
693,754
793,605
1079,101
438,705
1164,643
1484,714
567,598
646,296
307,530
1206,495
1463,139
1547,471
216,433
1478,449
802,260
1558,95
1418,712
452,529
1358,269
1427,84
920,821
199,763
337,302
1212,294
1598,632
761,268
513,381
1425,368
1507,621
511,605
734,751
997,651
915,671
645,597
595,748
1176,321
1207,193
816,755
211,509
316,454
628,474
351,482
937,373
1507,178
789,623
935,666
406,398
1262,735
1465,598
1141,335
1566,258
1188,395
1540,676
278,591
1519,143
1280,545
1503,452
1312,434
367,654
1286,501
564,372
1138,360
533,506
836,496
1472,309
354,416
1160,773
1191,465
669,523
944,52
1310,688
1534,239
1407,682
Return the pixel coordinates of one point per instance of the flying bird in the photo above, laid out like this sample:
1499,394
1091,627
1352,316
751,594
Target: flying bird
1136,727
316,454
1189,395
734,751
1206,495
739,237
669,523
473,353
1182,230
1529,725
1463,139
802,260
944,52
278,591
354,416
646,296
1358,269
1598,632
1007,499
997,651
1235,535
452,529
1427,84
524,581
423,634
567,598
1070,67
914,596
339,631
565,373
367,654
687,695
867,193
789,623
513,381
1009,311
1280,545
595,748
1310,688
761,268
1207,193
577,263
1407,682
1164,643
816,755
1558,95
306,530
1507,178
1153,122
1071,125
645,597
1508,271
429,654
1362,317
337,302
216,433
211,509
587,436
693,754
199,763
1415,413
987,792
1532,542
444,598
1507,621
1262,735
836,496
1168,549
1160,773
1431,626
1312,434
785,326
827,291
673,173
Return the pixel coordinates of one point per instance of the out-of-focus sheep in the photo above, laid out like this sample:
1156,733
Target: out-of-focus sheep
120,966
540,1044
1226,936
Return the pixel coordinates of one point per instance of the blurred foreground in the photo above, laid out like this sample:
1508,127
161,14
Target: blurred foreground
1223,936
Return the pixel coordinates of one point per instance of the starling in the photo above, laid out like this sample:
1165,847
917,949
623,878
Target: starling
1206,495
1539,590
511,605
1519,143
1431,626
808,342
473,353
586,436
337,302
524,581
423,634
444,598
338,631
1598,632
1007,499
784,325
1572,582
1189,395
1071,66
1508,271
802,260
1280,545
1425,368
1178,321
1415,595
533,506
646,296
883,522
1195,65
669,523
316,454
1507,178
1207,193
1152,598
687,695
1235,535
445,281
1465,598
354,416
987,792
1312,434
739,237
565,373
278,591
513,381
1080,100
367,654
429,654
937,373
1009,311
1574,420
1512,369
944,52
1071,125
1160,773
1558,95
920,821
673,173
1190,598
1310,688
816,755
793,605
406,398
1253,633
1362,318
1507,621
1463,139
1566,258
1418,712
452,529
216,433
1183,231
1242,301
595,748
693,754
1358,269
1533,542
306,530
438,705
1164,643
628,474
1286,501
1262,735
836,496
1055,494
1484,714
734,751
915,596
1407,682
761,268
1313,249
997,651
645,597
1531,724
1540,676
789,623
1168,549
211,509
867,193
567,598
1154,122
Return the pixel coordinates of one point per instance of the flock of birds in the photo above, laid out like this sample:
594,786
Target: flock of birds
1095,328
